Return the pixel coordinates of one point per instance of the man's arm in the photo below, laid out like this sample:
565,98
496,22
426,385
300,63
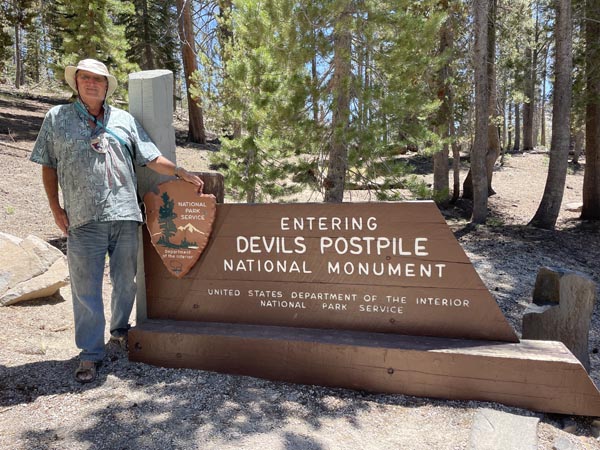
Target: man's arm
165,167
50,180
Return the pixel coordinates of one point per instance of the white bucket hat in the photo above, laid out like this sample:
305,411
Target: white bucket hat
90,65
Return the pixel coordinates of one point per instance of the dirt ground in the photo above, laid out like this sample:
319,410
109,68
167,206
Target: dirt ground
135,405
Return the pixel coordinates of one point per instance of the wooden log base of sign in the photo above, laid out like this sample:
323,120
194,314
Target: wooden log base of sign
537,375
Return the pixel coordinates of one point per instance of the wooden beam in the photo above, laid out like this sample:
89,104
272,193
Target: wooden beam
537,375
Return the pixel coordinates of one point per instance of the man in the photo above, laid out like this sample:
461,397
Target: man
89,149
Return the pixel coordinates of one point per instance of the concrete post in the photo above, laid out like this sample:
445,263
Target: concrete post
151,103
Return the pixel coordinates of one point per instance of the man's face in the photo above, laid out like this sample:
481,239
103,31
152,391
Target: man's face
92,87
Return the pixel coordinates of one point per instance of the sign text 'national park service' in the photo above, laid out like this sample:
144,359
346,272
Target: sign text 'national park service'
389,267
179,220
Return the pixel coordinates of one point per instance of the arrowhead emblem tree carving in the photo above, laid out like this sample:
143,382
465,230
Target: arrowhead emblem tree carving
179,220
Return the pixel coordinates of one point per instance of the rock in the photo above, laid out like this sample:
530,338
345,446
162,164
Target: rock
569,426
596,428
562,443
574,207
499,430
562,307
29,268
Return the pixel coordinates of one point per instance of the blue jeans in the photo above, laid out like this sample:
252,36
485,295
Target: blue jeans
87,247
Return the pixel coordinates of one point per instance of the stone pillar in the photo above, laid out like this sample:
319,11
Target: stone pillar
151,103
563,302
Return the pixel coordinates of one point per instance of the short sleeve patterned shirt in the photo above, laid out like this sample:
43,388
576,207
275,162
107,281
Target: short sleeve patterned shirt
95,185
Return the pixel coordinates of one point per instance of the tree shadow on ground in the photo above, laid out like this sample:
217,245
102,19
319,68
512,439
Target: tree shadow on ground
22,115
501,250
43,301
181,408
169,408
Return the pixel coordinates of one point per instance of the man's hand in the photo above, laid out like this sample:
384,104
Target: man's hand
61,219
190,178
50,180
165,167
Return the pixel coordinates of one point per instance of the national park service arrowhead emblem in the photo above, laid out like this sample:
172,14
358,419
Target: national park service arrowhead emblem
179,220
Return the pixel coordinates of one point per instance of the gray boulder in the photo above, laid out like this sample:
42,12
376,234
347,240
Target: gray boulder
29,268
563,302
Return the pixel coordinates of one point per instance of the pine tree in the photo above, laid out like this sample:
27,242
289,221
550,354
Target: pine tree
337,165
196,129
151,33
591,181
285,84
34,60
264,81
5,38
400,98
19,14
549,208
91,29
480,146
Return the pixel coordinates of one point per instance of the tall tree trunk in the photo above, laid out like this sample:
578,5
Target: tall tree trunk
196,131
18,59
36,70
455,163
510,126
148,60
314,90
543,102
480,146
493,150
549,208
504,132
578,146
441,179
342,65
367,77
493,139
506,148
225,37
529,105
591,178
517,146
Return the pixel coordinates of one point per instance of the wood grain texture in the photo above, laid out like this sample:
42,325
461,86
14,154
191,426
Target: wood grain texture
435,291
537,375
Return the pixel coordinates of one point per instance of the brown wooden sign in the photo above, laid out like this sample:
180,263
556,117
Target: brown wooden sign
179,221
382,267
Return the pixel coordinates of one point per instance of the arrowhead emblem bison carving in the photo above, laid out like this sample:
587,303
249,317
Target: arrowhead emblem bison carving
179,220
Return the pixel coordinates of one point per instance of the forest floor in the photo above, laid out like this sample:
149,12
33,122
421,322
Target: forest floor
134,405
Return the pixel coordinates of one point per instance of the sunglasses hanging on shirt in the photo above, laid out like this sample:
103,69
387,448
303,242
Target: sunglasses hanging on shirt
99,144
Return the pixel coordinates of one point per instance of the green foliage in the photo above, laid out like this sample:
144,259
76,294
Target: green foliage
16,14
151,31
265,92
91,29
266,77
35,57
285,110
5,39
